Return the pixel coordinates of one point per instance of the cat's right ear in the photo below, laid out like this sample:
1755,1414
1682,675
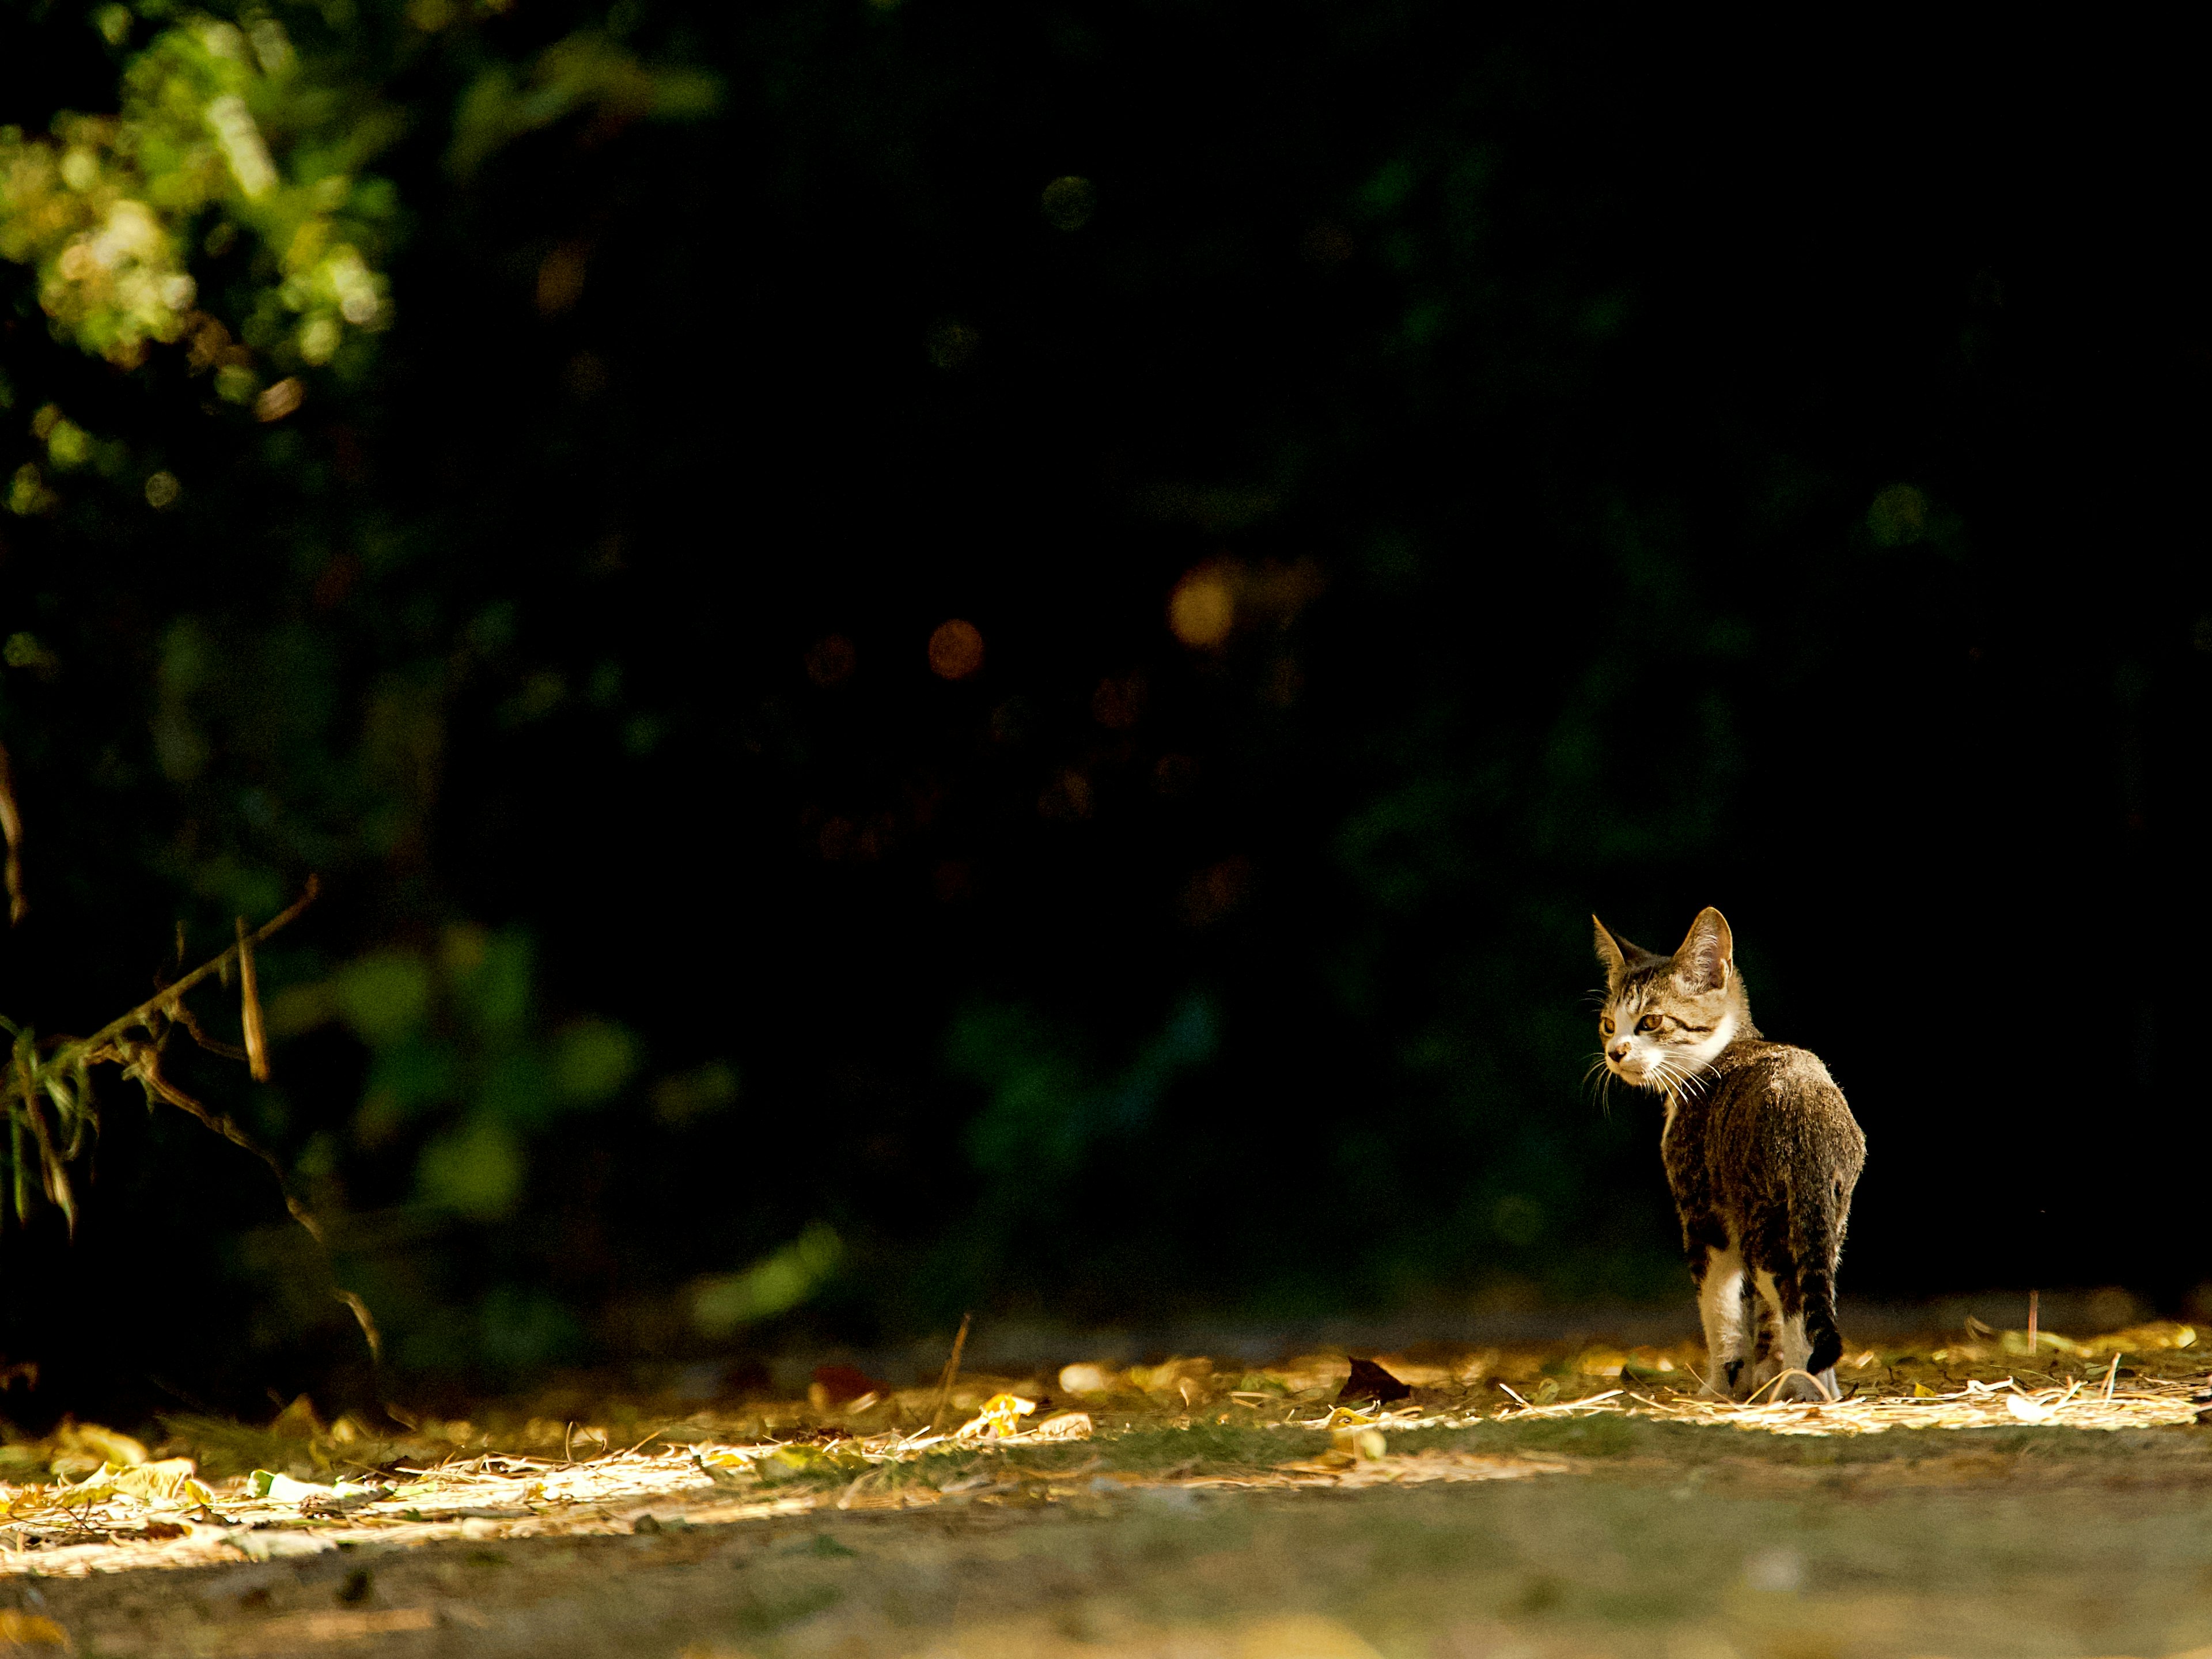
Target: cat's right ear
1617,954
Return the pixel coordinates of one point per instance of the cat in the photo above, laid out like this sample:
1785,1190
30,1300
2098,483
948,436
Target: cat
1761,1152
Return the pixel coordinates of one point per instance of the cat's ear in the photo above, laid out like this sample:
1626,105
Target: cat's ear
1617,954
1706,961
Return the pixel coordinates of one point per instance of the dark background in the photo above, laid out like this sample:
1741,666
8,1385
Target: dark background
1650,472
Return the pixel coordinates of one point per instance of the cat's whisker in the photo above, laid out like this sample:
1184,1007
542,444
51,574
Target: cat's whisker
1592,1087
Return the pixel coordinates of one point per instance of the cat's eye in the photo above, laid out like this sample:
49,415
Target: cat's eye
1651,1022
1606,1025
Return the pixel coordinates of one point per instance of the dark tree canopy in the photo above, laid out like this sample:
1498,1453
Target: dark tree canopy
940,657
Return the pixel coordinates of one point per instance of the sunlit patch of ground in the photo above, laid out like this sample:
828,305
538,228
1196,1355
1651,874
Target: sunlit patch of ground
1970,1496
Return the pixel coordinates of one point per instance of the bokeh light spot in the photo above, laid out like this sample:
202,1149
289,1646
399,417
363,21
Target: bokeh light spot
1214,891
831,660
586,376
1066,799
952,344
277,401
1118,704
1203,607
1069,203
1325,244
162,490
956,650
561,279
1898,516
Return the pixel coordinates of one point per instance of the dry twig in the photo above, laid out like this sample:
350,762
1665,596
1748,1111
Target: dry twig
134,1044
11,825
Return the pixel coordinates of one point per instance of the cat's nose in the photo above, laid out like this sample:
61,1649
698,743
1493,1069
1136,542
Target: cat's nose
1618,1052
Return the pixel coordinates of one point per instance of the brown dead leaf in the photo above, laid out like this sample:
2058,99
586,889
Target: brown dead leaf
1368,1382
836,1385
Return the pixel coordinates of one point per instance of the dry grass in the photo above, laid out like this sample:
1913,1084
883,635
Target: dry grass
86,1500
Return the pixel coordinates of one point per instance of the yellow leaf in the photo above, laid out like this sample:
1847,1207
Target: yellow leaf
162,1482
1368,1444
28,1629
787,1462
1921,1391
79,1447
1000,1414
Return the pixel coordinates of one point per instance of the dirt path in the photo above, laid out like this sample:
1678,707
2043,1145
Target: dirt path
1992,1546
1203,1526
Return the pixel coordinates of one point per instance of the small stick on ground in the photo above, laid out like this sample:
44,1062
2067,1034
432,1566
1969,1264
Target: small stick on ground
2030,1323
2112,1374
951,1372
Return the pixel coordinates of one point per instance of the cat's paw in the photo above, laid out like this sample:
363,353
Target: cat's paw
1753,1384
1798,1385
1730,1379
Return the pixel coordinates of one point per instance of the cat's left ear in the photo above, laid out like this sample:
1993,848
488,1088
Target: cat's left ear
1706,961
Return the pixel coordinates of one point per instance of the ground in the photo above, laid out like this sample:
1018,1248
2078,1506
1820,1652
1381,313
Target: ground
1975,1496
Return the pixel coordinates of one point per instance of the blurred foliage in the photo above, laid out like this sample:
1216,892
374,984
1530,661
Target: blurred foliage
938,661
227,148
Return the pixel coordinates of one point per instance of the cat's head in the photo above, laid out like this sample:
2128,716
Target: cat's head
1666,1019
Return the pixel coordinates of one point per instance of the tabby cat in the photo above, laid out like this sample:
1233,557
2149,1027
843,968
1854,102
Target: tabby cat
1760,1150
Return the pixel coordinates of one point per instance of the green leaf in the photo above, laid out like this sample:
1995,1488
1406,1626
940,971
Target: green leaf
774,1285
592,1060
476,1171
384,996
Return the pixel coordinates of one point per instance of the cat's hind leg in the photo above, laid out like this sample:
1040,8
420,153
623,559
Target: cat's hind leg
1721,1309
1763,1339
1797,1340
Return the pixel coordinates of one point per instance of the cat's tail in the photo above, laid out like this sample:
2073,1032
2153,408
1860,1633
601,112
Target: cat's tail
1817,1224
1825,1342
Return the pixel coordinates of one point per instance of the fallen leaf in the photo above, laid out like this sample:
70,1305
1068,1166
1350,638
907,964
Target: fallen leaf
999,1415
82,1447
1921,1391
2028,1411
1182,1378
834,1385
314,1497
795,1461
1367,1444
170,1480
30,1630
727,1468
298,1420
1064,1425
1369,1381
